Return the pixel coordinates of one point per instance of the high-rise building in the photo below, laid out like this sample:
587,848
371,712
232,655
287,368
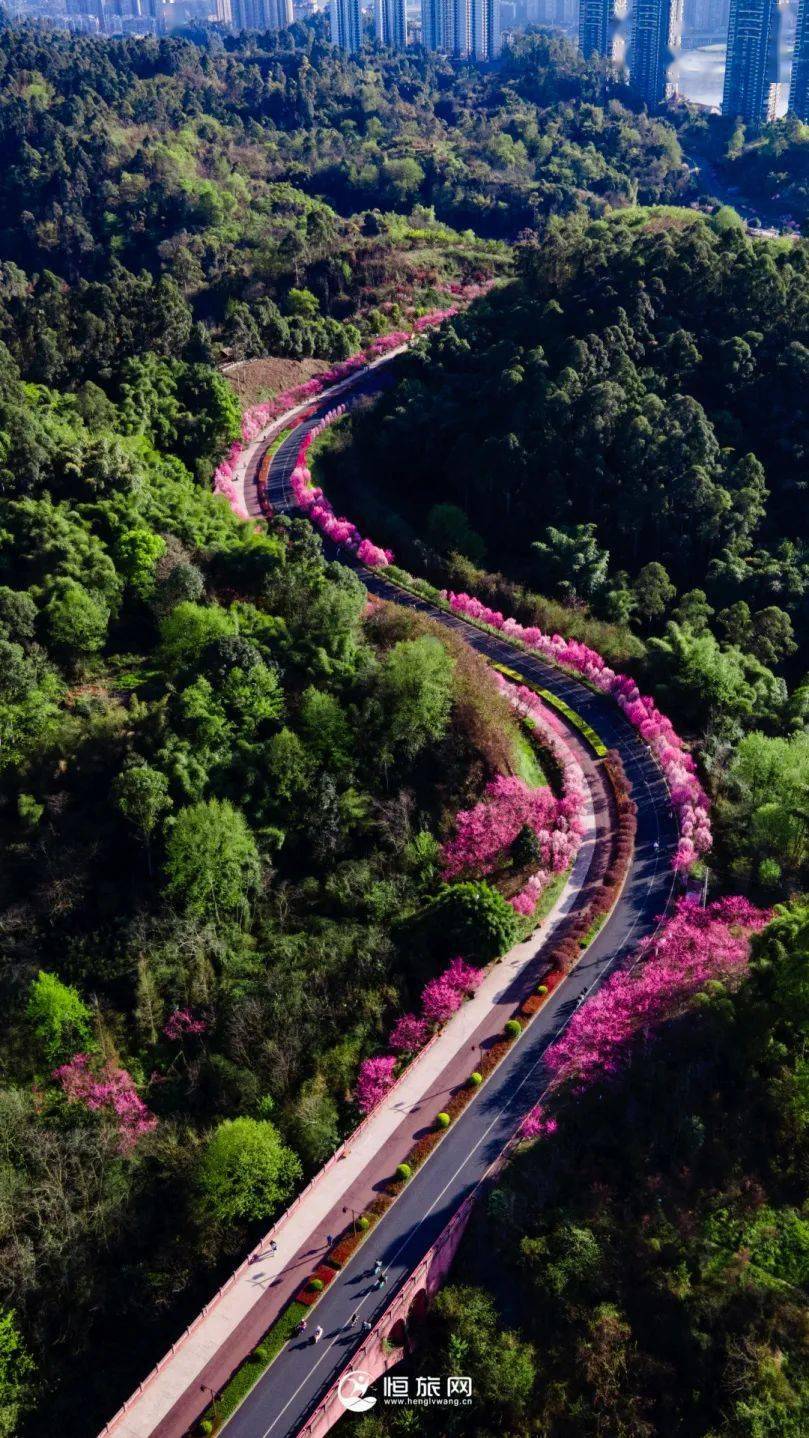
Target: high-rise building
751,66
346,25
260,14
462,27
432,30
390,23
484,29
595,18
799,85
657,28
445,25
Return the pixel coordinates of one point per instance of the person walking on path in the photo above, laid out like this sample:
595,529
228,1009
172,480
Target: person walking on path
366,1325
318,1334
377,1268
273,1247
352,1320
381,1281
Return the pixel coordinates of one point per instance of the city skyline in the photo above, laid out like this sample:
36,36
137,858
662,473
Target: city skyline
646,37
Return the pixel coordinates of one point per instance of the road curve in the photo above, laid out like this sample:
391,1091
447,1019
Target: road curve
286,1395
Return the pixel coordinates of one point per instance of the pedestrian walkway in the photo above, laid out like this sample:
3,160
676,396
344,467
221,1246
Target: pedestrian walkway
168,1401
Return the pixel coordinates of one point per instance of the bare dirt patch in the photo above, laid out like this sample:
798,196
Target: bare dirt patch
259,379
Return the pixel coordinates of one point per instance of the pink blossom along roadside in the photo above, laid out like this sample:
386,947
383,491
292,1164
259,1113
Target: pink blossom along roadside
259,416
484,834
687,794
553,736
694,946
318,510
439,1000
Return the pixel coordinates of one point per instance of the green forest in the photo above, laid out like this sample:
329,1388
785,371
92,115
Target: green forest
226,777
163,197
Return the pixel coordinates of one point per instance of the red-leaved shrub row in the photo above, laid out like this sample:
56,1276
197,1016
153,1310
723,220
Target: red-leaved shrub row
351,1238
325,1274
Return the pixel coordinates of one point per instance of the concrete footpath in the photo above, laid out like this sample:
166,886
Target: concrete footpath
168,1401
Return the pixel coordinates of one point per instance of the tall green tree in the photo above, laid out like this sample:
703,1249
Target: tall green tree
61,1020
415,686
245,1172
212,862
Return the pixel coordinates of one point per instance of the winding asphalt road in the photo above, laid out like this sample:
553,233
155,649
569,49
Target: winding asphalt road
284,1398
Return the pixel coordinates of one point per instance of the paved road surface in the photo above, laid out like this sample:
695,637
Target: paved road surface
283,1399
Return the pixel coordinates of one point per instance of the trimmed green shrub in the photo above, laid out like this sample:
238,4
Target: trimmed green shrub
363,1223
442,1120
475,1079
542,990
206,1426
404,1171
513,1028
316,1284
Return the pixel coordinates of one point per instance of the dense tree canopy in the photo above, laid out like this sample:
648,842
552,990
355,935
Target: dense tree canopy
271,195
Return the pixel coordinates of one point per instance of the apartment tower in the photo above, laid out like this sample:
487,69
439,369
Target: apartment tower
751,67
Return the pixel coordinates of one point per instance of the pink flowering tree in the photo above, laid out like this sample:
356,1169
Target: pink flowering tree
110,1090
566,839
687,794
182,1024
409,1034
442,996
485,833
694,946
440,999
463,976
374,1079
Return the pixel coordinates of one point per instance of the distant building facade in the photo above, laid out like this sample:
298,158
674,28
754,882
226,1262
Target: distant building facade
390,23
346,25
751,67
260,14
484,38
462,27
799,85
595,27
657,30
